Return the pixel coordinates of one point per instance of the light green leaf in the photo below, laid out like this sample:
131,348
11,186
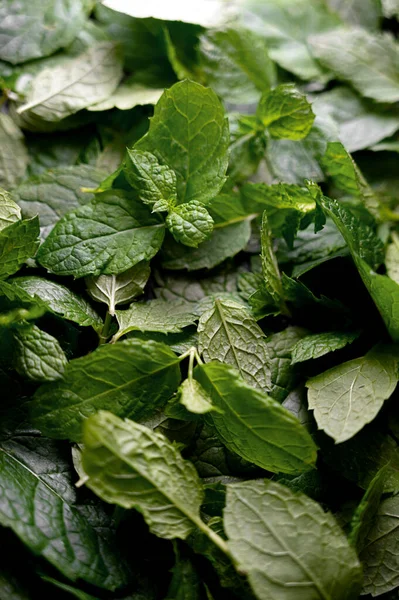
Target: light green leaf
18,242
365,513
253,425
38,355
360,123
364,13
271,290
317,345
194,398
109,235
189,133
347,397
119,289
227,332
392,258
226,240
191,224
367,61
286,113
134,467
13,153
9,210
247,147
156,315
154,183
283,376
76,83
286,26
55,192
390,8
128,95
279,538
29,29
49,516
131,378
236,64
380,555
57,298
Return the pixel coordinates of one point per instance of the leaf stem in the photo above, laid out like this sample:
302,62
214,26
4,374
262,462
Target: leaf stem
104,335
215,538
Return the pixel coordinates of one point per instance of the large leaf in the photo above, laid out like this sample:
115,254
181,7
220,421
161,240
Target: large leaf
30,30
189,133
254,425
236,64
128,95
347,397
227,332
279,538
74,84
50,518
57,298
130,465
18,242
55,192
13,154
112,233
367,61
131,378
38,355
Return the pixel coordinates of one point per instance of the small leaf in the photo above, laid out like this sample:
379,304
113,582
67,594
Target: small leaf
253,425
279,538
134,467
10,212
194,398
38,355
286,113
317,345
190,224
364,516
119,289
132,378
347,397
18,242
153,182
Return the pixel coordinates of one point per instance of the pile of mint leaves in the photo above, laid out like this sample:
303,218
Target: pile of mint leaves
199,299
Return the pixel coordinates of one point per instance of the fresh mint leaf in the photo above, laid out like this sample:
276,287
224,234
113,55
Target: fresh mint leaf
132,378
271,290
356,12
38,355
194,398
286,113
128,95
18,242
317,345
109,235
189,133
283,375
154,183
14,157
191,224
10,212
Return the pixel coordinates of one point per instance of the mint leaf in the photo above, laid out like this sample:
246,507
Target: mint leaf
130,465
189,133
319,344
271,290
18,242
141,377
38,355
128,95
194,398
279,348
286,113
254,425
155,183
269,512
347,397
14,157
190,224
109,235
364,516
9,210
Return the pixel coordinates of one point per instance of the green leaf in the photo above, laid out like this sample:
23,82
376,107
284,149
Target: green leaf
347,397
271,290
128,95
185,583
130,465
367,61
283,376
191,224
227,332
194,398
392,258
109,235
366,14
286,25
9,210
380,555
364,516
236,64
286,113
74,84
319,344
390,8
18,242
57,298
279,538
38,355
226,240
55,192
155,315
131,378
189,133
253,425
27,31
247,147
360,123
49,516
154,183
14,157
119,289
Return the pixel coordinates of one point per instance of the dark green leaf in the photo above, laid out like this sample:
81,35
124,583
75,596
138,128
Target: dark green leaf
319,344
286,113
38,355
191,224
18,242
